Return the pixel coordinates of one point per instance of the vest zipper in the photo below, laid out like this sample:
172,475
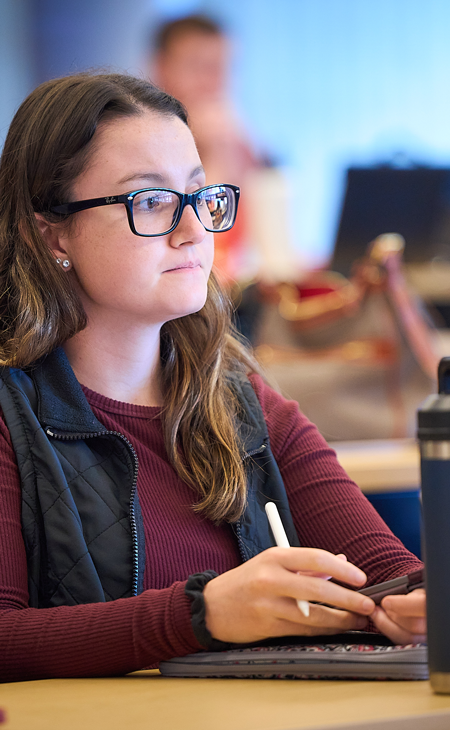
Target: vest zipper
253,452
134,538
237,526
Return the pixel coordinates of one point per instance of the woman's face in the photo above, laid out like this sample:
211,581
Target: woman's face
147,281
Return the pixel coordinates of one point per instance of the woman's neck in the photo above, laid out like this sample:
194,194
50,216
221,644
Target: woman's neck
125,368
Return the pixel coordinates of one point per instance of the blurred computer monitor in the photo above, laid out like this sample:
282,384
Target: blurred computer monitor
414,202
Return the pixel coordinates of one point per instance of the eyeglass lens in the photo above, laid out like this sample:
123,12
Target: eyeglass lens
154,211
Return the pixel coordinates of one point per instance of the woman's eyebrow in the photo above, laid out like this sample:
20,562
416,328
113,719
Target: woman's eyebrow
200,170
154,177
157,177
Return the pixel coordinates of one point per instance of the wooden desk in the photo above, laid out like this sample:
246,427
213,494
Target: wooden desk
147,700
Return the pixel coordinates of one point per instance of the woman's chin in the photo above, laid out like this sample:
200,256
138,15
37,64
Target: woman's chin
188,306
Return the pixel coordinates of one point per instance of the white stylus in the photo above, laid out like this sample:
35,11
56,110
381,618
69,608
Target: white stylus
282,541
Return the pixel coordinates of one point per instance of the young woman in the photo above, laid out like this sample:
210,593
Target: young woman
138,443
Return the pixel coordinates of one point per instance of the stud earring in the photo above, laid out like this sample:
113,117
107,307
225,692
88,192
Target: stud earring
66,263
58,261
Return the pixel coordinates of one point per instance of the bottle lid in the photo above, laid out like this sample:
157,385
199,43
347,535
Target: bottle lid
434,418
444,376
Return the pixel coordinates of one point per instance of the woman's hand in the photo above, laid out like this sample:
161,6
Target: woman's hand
402,618
257,600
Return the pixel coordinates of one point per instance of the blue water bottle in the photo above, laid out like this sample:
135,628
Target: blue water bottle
434,438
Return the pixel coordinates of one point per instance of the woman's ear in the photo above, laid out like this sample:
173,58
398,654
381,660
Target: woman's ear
50,234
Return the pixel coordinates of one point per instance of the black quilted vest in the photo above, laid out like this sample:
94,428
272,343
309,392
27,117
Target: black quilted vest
81,520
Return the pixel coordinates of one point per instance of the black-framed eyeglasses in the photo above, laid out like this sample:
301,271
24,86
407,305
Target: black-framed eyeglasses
157,211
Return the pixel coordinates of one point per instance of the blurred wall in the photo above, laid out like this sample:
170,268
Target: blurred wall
322,84
42,39
16,58
77,34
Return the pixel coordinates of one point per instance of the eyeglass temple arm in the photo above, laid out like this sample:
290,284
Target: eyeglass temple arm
67,208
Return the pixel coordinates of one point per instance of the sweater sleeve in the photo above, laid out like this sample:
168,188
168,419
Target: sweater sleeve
98,639
328,508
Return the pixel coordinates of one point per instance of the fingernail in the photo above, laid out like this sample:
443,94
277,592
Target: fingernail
367,605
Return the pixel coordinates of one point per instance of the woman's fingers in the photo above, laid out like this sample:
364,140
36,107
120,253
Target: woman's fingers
413,604
394,631
259,598
313,560
305,587
403,618
324,576
321,620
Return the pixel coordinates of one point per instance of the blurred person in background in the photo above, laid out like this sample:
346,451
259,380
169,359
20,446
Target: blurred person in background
192,63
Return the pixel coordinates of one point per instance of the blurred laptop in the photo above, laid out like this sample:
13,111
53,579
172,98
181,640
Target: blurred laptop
412,201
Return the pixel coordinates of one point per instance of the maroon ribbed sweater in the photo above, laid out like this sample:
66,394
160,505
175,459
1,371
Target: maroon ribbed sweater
329,512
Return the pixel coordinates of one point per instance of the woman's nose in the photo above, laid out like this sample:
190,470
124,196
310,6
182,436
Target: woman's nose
189,229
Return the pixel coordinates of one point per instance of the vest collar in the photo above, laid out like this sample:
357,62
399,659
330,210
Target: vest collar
61,401
63,405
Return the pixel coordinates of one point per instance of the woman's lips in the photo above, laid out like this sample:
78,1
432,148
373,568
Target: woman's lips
183,267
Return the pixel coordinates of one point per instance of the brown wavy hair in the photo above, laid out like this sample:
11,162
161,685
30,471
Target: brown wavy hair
48,145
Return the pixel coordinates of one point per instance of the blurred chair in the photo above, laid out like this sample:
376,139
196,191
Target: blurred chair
357,354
